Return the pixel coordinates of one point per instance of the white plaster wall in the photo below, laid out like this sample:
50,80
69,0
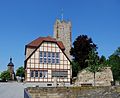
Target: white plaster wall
34,59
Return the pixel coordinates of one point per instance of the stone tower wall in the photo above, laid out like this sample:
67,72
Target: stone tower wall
11,70
62,32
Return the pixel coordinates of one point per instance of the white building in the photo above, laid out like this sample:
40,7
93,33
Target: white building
46,62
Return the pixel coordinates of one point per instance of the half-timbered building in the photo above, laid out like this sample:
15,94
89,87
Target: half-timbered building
46,62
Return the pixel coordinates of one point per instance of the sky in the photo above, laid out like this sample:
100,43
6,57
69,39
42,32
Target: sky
22,21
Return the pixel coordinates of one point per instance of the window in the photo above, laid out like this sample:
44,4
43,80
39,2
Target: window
59,74
32,73
36,73
57,61
39,73
53,54
49,57
57,58
45,54
41,57
41,54
49,60
45,57
53,58
57,55
53,61
45,60
43,74
41,60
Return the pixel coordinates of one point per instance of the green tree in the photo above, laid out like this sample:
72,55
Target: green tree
5,75
114,62
20,72
75,68
103,60
93,63
117,52
80,50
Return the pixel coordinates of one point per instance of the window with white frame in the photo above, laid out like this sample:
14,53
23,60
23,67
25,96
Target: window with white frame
38,73
49,57
59,73
57,58
53,58
45,57
41,57
31,73
43,73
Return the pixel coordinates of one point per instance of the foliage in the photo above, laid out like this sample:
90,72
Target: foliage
117,52
103,60
114,62
5,75
75,69
20,72
80,50
93,63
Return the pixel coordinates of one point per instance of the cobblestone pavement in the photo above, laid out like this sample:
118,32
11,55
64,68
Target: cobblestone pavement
11,90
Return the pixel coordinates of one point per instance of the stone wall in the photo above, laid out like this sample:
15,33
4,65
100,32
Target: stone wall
74,92
102,78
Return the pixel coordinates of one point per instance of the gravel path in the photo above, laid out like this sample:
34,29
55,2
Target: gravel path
11,90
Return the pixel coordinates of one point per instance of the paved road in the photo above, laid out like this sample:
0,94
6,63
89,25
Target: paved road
11,90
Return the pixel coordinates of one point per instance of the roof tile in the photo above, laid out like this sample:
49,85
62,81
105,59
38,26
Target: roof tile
35,43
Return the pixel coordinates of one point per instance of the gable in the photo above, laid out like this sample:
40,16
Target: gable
49,47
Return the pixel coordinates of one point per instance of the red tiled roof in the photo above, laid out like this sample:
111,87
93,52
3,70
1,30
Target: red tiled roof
35,43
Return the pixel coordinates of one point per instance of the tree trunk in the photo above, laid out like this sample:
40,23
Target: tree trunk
94,79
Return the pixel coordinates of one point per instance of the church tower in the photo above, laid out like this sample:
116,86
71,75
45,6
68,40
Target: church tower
11,69
62,32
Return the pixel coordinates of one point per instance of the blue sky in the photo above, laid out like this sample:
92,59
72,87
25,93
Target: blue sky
22,21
